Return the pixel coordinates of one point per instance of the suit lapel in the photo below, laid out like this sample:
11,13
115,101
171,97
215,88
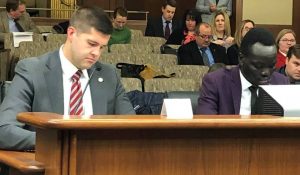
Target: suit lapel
198,55
5,22
54,81
236,88
160,27
98,98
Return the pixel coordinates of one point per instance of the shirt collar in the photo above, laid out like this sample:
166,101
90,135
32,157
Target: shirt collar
68,68
164,20
245,83
284,54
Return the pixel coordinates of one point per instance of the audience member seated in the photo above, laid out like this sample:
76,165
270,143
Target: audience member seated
15,19
221,29
164,25
291,69
187,32
284,40
228,90
54,82
208,8
121,34
233,50
202,51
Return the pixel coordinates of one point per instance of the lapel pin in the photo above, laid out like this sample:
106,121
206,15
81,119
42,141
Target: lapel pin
100,80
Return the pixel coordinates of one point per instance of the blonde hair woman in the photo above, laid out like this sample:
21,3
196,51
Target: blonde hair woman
233,50
284,40
221,29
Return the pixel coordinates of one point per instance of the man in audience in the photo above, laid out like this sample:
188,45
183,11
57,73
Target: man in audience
291,69
15,19
121,34
233,90
67,81
202,51
164,26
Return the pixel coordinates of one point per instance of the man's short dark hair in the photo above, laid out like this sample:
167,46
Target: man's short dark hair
86,18
120,11
12,5
294,50
256,35
171,3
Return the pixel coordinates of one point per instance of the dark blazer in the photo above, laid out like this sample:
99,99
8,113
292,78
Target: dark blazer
38,87
155,27
176,37
233,54
221,91
189,54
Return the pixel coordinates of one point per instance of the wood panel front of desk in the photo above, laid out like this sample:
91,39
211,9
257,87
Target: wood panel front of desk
154,146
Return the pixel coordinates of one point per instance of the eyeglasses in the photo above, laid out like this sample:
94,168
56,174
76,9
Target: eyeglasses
206,36
288,40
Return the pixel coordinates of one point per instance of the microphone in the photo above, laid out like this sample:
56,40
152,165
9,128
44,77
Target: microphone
89,80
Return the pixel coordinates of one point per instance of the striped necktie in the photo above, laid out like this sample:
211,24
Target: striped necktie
76,105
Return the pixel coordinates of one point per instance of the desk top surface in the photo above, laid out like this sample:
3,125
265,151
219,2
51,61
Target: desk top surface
56,121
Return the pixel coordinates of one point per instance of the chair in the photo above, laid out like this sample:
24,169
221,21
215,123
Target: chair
154,42
159,60
131,84
131,48
33,49
170,84
5,62
135,34
194,72
114,58
57,38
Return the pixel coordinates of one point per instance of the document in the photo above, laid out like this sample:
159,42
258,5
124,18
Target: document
21,36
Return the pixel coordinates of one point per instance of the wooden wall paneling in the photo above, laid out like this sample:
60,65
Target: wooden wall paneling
296,18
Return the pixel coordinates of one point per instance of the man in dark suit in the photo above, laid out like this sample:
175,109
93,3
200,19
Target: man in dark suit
15,13
228,90
202,51
46,83
157,26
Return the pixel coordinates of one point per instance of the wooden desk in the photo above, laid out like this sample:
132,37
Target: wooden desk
149,145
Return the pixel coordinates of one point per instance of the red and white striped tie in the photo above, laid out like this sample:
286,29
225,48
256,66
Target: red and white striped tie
76,106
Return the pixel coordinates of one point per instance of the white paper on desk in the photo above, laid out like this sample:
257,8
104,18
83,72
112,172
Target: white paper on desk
177,109
21,36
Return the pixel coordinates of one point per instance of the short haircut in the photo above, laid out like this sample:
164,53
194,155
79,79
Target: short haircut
282,33
238,33
294,50
120,11
197,29
86,18
171,3
13,5
256,35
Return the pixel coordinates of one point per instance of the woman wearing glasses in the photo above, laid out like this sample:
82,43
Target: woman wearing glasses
233,51
284,40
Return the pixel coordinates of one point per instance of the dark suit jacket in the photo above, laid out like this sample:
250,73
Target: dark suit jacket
233,54
38,87
189,54
155,27
221,91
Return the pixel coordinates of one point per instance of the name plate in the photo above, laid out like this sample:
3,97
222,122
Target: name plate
177,109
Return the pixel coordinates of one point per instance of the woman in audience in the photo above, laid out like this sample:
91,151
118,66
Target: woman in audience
284,40
233,50
187,32
221,29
